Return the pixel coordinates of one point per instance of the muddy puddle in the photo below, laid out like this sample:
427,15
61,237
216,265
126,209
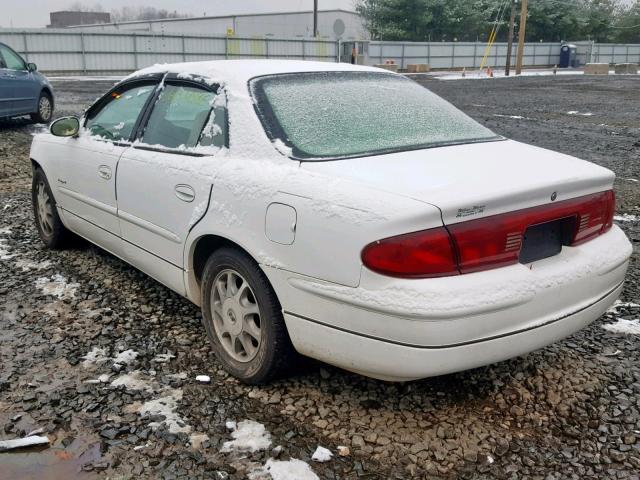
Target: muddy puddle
56,462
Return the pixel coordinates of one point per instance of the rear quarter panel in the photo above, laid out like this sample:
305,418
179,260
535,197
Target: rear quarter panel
336,218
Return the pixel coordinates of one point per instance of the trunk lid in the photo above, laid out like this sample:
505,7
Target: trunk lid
476,180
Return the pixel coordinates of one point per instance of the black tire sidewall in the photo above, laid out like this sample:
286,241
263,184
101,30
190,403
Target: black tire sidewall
260,368
56,239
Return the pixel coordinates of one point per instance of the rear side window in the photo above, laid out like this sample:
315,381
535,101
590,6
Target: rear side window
184,117
12,60
116,119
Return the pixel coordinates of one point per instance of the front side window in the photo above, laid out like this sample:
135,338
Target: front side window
347,114
116,119
184,117
12,60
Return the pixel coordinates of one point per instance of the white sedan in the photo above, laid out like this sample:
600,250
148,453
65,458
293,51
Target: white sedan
341,212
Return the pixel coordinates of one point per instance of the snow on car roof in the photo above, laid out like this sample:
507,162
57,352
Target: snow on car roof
239,72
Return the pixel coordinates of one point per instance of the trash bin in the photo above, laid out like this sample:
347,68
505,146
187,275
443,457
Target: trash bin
568,55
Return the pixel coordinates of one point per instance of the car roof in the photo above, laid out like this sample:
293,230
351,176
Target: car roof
236,73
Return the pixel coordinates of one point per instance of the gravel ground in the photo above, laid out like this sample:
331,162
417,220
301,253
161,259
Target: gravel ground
90,348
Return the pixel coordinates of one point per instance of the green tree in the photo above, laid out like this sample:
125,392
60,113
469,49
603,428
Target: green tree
465,20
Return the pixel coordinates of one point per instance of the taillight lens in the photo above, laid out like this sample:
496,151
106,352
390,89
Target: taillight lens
428,253
485,243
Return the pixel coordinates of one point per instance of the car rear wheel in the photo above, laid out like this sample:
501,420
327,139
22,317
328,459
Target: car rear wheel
50,228
243,318
45,109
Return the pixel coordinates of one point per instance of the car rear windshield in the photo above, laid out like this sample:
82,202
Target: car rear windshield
349,114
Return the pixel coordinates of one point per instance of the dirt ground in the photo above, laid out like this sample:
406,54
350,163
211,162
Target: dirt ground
88,345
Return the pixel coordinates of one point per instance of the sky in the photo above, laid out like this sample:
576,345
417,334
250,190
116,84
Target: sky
35,13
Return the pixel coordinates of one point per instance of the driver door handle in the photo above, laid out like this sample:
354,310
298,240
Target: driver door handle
104,171
186,193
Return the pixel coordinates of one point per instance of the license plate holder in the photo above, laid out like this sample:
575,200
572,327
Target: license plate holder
545,240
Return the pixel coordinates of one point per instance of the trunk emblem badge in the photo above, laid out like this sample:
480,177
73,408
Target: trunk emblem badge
554,195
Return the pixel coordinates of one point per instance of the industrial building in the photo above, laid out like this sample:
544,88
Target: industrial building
66,18
332,24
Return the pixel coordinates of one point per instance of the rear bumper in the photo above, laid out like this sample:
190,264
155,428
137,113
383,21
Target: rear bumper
398,362
398,329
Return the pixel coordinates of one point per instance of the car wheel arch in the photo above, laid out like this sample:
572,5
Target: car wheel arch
199,252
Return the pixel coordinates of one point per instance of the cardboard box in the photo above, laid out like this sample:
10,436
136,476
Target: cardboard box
596,69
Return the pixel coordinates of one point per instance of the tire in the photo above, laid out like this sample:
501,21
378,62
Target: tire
45,109
234,337
50,228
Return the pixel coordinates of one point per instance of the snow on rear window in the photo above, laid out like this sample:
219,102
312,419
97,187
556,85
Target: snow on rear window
344,114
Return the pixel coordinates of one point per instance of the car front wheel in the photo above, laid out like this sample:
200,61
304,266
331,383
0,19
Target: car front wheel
243,318
50,228
45,109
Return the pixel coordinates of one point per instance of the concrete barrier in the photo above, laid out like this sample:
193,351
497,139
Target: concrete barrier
418,68
392,67
596,69
626,68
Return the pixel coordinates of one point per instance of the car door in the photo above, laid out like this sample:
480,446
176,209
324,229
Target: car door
176,149
6,89
24,85
86,177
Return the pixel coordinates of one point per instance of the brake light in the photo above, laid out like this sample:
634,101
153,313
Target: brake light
424,254
485,243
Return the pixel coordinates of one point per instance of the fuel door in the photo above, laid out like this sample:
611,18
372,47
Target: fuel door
280,223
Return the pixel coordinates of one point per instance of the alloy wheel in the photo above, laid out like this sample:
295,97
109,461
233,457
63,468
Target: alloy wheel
236,316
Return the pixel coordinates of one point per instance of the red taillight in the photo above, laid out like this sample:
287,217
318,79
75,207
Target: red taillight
485,243
428,253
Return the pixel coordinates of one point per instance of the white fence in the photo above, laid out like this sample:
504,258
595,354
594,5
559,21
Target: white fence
73,52
455,55
97,53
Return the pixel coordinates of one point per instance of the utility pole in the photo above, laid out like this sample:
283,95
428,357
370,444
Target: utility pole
521,33
512,20
315,18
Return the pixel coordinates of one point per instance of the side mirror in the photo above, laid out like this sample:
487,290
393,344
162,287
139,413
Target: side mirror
65,127
32,67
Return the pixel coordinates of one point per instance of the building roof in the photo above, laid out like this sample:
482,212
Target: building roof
214,17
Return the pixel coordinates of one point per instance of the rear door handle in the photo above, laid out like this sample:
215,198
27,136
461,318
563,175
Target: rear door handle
186,193
104,171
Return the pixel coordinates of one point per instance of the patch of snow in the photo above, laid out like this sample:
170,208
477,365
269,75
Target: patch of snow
5,230
166,406
231,425
4,250
631,327
101,379
321,454
133,381
626,217
248,436
125,358
635,180
197,439
57,286
575,112
515,117
28,265
292,469
96,355
23,442
203,378
618,304
163,357
282,148
177,376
